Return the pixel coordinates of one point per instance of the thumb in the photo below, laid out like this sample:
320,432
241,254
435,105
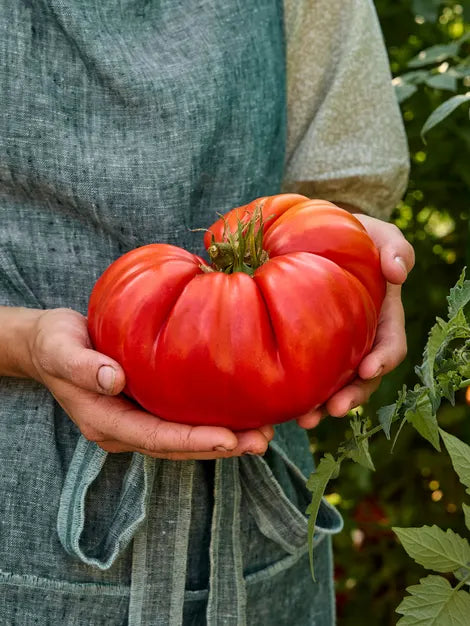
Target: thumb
83,367
396,261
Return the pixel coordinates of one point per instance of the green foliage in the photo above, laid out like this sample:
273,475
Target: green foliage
415,485
434,603
327,469
435,549
443,371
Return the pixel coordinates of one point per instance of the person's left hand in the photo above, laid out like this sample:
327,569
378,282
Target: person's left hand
389,349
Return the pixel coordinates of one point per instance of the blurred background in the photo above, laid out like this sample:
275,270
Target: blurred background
428,43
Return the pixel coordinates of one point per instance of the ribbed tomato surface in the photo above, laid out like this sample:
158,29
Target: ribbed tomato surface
237,350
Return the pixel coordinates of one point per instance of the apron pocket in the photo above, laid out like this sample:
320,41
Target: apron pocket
27,599
273,519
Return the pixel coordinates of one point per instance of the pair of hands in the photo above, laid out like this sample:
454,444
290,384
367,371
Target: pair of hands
87,383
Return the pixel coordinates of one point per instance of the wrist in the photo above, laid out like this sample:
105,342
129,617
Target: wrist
17,331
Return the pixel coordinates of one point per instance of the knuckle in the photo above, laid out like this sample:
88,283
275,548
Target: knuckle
152,439
72,367
402,354
394,231
41,351
185,439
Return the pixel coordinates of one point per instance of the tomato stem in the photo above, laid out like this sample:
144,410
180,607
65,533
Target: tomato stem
242,250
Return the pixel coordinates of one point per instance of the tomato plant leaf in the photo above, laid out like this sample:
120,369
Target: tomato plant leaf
459,296
424,419
327,468
434,603
437,337
466,512
386,415
459,453
435,549
360,452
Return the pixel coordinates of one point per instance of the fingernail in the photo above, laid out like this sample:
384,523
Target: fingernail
401,263
221,449
248,453
378,372
106,377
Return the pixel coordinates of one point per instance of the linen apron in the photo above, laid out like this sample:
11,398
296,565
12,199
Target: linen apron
124,123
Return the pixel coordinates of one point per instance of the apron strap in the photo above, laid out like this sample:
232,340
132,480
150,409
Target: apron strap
87,462
227,592
157,595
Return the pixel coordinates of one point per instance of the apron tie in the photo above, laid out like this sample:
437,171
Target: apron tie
158,588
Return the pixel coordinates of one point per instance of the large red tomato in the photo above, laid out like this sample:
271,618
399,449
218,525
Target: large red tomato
276,325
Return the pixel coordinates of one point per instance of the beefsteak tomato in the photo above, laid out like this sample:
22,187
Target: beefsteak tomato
277,323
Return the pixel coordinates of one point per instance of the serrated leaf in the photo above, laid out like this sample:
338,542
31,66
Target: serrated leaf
459,295
434,603
386,415
466,512
444,81
459,453
448,386
423,418
435,549
327,468
436,338
360,452
443,111
435,54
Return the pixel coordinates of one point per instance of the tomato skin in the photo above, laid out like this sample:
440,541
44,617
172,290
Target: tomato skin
236,350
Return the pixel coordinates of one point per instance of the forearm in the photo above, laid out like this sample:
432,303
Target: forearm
16,326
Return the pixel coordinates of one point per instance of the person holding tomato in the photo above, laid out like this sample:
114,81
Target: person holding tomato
129,123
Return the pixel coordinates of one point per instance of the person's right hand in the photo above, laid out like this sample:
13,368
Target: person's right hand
86,384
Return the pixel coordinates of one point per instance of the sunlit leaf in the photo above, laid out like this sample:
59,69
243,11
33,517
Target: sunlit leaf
435,549
434,603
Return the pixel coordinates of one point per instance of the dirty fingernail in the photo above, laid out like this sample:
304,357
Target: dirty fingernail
106,377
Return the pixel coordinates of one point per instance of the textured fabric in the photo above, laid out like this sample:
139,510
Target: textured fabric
126,122
346,141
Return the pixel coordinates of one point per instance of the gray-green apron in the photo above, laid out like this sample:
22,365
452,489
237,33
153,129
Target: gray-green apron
125,122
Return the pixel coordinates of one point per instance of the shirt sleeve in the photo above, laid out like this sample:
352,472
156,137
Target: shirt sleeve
345,141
